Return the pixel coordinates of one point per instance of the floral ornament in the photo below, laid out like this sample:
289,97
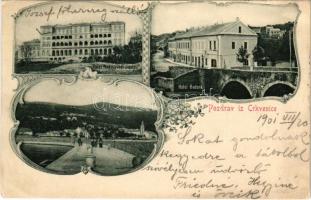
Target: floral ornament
180,115
87,74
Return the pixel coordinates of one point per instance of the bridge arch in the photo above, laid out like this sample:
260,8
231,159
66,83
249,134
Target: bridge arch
236,89
278,88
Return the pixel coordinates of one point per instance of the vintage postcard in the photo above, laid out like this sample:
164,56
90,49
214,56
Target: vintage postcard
155,99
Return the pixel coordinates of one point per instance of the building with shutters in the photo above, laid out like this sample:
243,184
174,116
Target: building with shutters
213,46
74,42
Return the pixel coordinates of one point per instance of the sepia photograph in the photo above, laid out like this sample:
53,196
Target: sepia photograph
234,51
89,124
65,38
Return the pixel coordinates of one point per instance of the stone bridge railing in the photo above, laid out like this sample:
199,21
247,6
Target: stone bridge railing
256,81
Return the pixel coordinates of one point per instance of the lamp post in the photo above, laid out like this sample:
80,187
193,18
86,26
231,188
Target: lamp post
290,48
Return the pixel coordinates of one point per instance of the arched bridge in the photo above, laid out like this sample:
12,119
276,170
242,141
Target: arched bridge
232,83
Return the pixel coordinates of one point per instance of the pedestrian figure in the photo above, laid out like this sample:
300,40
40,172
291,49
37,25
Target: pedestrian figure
93,142
100,143
79,141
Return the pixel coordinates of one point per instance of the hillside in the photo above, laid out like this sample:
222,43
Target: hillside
47,116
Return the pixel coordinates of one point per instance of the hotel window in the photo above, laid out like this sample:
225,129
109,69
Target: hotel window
240,29
214,63
233,45
214,45
245,45
210,45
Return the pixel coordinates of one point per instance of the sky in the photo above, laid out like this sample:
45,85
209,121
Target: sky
85,92
26,25
169,17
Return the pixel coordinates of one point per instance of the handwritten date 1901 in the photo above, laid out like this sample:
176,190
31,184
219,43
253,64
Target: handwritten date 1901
287,118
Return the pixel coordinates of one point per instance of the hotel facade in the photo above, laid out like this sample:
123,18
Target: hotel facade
213,46
76,41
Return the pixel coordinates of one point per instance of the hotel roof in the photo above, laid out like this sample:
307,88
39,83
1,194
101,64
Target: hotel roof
215,29
84,24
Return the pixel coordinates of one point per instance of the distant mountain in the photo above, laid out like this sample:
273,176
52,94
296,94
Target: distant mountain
103,113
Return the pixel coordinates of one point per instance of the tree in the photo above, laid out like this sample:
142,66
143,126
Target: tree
26,52
285,47
242,55
259,53
165,49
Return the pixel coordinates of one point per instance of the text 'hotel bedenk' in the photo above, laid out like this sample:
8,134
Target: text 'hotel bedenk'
75,41
213,46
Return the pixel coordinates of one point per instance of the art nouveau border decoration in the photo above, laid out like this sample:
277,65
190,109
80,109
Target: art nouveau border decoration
160,99
61,38
86,125
229,56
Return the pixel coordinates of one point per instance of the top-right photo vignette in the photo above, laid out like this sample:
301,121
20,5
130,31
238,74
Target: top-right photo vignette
229,51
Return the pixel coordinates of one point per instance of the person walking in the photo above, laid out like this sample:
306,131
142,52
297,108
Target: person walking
100,143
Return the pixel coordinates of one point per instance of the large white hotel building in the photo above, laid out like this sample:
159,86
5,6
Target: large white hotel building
76,41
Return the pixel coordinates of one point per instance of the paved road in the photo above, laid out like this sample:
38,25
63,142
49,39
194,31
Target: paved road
159,63
109,161
162,65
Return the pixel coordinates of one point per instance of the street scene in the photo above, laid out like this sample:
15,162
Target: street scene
235,58
109,136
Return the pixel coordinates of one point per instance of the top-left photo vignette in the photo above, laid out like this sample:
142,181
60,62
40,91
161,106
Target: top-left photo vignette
74,37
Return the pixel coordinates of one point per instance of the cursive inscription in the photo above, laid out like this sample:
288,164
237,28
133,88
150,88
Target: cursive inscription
228,164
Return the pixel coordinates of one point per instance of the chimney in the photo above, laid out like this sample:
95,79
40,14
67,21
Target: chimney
237,19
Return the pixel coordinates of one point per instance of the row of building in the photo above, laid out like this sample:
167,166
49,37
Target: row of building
73,41
270,32
213,46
